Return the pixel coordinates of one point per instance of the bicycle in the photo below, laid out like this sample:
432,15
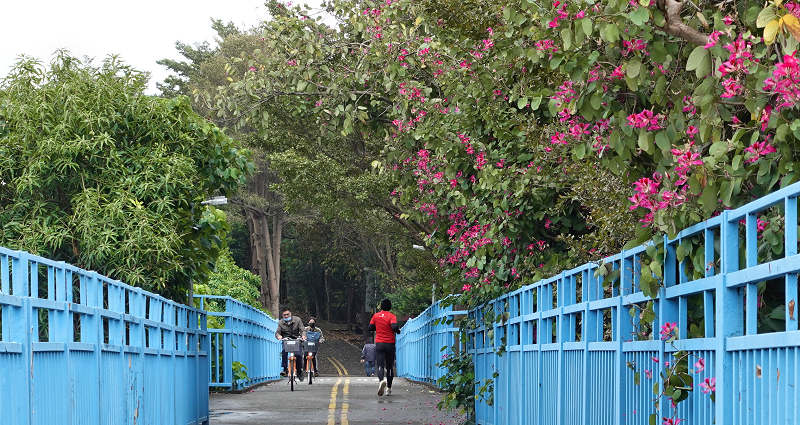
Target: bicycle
293,349
311,346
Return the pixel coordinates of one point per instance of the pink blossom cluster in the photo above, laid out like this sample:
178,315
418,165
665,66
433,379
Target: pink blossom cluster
709,385
646,195
635,45
785,81
793,8
686,159
667,330
713,38
739,58
561,14
564,94
759,149
646,119
546,45
688,106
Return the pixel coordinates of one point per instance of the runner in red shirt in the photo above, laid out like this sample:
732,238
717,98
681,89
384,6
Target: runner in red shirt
384,324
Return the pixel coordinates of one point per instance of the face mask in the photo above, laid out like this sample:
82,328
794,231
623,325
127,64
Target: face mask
311,324
287,319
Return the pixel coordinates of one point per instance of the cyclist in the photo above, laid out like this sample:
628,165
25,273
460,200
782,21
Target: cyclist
384,324
314,334
290,327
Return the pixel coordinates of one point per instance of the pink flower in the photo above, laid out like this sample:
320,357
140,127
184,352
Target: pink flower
671,421
654,359
547,223
699,365
252,69
709,385
759,149
713,38
645,119
580,14
728,20
490,30
667,329
466,287
648,374
785,81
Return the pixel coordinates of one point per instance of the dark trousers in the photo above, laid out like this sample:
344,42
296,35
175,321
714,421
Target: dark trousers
298,359
385,354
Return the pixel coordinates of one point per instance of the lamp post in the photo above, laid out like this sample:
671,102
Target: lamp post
433,289
215,201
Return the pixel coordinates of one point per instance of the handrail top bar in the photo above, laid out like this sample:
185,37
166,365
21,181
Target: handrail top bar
20,255
764,202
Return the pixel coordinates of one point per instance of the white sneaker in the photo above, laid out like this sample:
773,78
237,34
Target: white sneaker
381,387
388,391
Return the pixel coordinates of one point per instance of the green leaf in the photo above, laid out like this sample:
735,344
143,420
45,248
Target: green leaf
765,16
639,16
718,148
522,102
699,61
566,37
646,141
633,67
586,24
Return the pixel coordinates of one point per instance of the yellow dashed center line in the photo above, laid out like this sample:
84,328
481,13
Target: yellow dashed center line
345,399
332,404
342,371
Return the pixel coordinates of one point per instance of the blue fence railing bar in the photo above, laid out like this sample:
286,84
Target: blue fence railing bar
240,338
572,359
420,342
80,348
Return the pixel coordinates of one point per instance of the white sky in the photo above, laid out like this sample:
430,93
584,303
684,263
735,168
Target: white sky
141,31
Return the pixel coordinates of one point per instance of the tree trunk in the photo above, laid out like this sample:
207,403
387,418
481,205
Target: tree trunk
273,255
257,255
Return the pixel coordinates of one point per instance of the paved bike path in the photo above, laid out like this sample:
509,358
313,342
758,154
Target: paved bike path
342,396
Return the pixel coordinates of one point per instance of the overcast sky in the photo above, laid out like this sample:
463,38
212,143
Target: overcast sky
141,31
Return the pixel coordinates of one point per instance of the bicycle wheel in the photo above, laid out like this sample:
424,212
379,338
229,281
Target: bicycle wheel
291,373
310,370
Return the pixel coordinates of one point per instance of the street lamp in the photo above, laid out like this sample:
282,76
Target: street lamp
215,201
433,289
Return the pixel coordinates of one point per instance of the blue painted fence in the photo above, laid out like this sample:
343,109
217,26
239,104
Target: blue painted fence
420,343
569,341
239,333
80,348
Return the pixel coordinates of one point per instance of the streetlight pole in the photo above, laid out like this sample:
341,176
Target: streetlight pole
433,288
217,200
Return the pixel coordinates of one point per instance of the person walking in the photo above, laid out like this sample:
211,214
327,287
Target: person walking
314,334
385,326
368,358
290,327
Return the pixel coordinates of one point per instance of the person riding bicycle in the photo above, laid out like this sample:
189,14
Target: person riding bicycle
384,324
290,327
314,334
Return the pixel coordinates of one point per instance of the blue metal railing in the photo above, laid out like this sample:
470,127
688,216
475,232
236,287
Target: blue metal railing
80,348
245,337
420,343
571,353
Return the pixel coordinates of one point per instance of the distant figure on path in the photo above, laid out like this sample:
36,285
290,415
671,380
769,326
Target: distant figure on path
384,324
368,358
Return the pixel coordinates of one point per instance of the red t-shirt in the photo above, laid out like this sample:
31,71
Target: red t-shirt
383,326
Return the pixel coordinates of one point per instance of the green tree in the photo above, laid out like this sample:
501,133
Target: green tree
100,175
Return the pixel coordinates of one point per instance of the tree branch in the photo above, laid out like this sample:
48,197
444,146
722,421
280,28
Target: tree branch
674,23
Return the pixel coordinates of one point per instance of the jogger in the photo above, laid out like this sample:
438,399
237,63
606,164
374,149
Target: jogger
385,354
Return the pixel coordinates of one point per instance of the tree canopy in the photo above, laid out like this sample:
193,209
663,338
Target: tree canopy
96,173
